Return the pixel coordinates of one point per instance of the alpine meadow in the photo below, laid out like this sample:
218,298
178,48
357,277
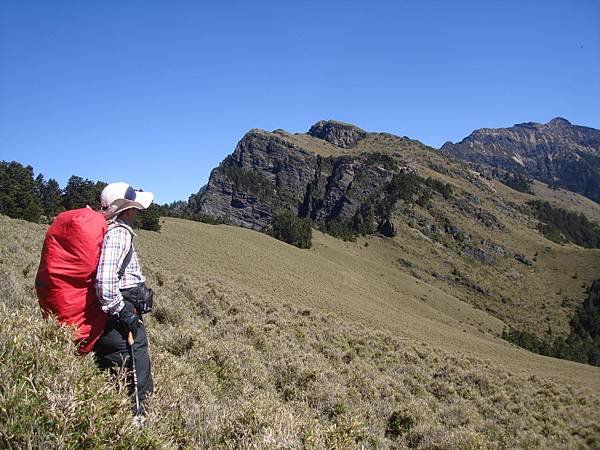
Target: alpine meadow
342,289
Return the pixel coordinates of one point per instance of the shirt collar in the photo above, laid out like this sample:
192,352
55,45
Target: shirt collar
116,222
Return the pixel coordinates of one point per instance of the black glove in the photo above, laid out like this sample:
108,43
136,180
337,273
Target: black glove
129,318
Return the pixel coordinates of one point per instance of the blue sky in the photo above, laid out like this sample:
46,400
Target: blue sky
158,93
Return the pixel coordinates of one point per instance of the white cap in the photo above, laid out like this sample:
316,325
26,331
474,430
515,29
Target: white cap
115,191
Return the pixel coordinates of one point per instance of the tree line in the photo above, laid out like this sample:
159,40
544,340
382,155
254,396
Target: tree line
583,342
560,225
35,199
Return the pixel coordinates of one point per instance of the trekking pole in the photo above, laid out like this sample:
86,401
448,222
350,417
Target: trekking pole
130,341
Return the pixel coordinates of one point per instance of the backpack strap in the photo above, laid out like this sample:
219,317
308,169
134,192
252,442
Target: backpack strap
126,262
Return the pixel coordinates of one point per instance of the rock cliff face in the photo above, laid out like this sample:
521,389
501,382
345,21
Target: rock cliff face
267,173
341,134
557,153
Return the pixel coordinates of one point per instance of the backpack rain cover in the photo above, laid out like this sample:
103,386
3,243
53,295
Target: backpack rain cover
65,281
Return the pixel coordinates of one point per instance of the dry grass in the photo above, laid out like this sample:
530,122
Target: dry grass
312,144
257,344
257,374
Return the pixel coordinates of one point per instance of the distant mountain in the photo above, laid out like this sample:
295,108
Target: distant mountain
557,153
319,174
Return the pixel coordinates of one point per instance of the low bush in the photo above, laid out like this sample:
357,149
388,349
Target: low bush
445,189
148,219
342,229
517,182
288,227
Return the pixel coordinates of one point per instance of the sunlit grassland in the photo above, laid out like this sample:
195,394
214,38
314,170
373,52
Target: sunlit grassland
258,344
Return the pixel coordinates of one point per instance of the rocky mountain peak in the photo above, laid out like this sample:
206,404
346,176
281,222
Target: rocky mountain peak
341,134
559,122
557,153
269,172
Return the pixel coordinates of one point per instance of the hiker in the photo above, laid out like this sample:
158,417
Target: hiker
122,292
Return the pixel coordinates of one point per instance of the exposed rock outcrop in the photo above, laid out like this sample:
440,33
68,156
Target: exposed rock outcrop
557,153
267,172
264,173
338,133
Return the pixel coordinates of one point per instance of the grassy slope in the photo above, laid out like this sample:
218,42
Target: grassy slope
347,279
258,344
540,298
49,397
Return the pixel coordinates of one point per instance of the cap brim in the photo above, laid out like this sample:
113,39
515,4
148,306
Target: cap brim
120,205
144,198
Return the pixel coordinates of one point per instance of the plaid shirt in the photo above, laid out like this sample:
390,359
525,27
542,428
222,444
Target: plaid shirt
117,241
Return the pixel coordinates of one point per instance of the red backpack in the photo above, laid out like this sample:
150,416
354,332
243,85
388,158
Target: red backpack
65,281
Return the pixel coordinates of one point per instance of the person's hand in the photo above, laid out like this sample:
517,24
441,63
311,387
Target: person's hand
130,320
144,299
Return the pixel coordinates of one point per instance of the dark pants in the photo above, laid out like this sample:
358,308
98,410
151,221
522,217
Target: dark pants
113,353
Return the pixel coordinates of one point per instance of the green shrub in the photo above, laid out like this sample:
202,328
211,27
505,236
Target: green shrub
583,342
205,218
342,229
552,233
443,188
398,424
528,341
288,227
364,220
148,219
387,161
560,225
517,182
424,200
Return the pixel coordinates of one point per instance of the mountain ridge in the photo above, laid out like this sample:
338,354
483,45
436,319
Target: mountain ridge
489,250
557,153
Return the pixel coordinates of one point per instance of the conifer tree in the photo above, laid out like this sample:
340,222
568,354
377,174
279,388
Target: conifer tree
18,197
148,219
50,196
80,192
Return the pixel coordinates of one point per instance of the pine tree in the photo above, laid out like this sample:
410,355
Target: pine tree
18,198
81,192
50,196
52,199
148,219
289,228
